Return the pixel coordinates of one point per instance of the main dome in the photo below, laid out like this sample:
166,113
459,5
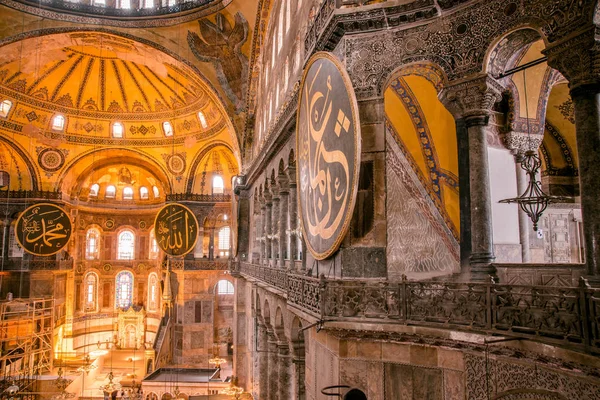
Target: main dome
96,79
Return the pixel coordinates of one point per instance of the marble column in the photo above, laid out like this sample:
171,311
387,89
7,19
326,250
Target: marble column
283,218
586,99
275,228
261,233
293,211
211,244
5,238
471,100
576,58
298,371
524,225
273,367
263,361
284,370
268,228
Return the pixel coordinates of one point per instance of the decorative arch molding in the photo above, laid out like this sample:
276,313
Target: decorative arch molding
33,171
139,158
425,69
198,158
472,33
149,21
507,49
211,88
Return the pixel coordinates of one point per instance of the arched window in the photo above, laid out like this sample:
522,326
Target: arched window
167,128
91,292
224,239
124,289
155,192
92,244
224,287
126,4
153,253
126,245
202,119
117,129
128,193
218,185
100,3
152,292
111,192
5,107
144,193
94,190
58,123
149,4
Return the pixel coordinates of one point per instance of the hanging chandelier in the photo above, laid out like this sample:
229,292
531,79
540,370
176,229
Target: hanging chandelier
232,390
110,386
533,201
61,382
88,366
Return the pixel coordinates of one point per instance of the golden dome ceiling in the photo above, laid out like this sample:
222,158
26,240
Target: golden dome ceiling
96,79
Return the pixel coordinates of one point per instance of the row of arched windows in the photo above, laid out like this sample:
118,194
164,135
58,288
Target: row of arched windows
126,244
110,192
117,129
124,290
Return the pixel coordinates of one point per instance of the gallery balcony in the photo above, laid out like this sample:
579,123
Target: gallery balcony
565,316
202,264
37,265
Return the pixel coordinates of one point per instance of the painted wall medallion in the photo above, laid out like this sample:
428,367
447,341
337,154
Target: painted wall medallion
175,163
176,229
109,223
51,160
43,229
329,148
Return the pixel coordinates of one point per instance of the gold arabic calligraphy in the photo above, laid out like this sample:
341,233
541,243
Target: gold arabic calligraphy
44,229
325,176
175,229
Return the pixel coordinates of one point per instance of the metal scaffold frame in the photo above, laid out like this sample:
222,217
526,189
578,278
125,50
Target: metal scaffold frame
26,336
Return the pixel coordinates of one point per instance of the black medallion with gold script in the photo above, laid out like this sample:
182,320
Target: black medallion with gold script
176,229
328,145
43,229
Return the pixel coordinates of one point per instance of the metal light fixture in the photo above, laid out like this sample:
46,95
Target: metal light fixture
232,390
88,366
533,201
110,386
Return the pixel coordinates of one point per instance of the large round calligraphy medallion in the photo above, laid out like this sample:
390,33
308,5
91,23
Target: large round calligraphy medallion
176,229
43,229
328,144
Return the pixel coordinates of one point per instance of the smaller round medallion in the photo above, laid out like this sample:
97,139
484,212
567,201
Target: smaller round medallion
109,223
142,225
106,267
176,164
51,160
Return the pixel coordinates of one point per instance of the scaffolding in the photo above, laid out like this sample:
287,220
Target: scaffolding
26,352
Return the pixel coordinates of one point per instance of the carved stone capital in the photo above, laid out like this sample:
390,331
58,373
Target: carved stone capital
577,59
520,142
472,99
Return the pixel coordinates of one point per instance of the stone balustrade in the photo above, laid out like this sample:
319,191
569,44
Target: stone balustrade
567,316
38,265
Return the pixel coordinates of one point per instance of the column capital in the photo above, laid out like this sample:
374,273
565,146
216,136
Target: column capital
472,98
577,59
520,142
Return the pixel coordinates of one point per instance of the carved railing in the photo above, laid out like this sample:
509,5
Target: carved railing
33,265
568,316
30,194
198,265
205,198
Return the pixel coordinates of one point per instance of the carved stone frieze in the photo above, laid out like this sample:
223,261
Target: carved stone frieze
578,59
520,142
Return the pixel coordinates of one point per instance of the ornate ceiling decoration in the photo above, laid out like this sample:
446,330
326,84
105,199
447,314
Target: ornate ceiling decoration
96,79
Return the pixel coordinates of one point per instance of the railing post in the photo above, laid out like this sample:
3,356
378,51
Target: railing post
322,295
403,299
584,312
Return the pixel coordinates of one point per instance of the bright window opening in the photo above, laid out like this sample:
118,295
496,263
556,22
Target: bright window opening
58,123
155,192
124,289
111,192
224,236
91,284
117,130
218,185
5,107
202,119
224,287
149,4
126,4
94,190
144,193
168,129
92,244
128,193
126,245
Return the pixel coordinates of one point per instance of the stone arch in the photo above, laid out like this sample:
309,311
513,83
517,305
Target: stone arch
279,325
291,158
31,168
426,69
198,158
281,167
266,313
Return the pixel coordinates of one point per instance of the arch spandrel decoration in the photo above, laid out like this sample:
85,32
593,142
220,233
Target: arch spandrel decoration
329,149
176,229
